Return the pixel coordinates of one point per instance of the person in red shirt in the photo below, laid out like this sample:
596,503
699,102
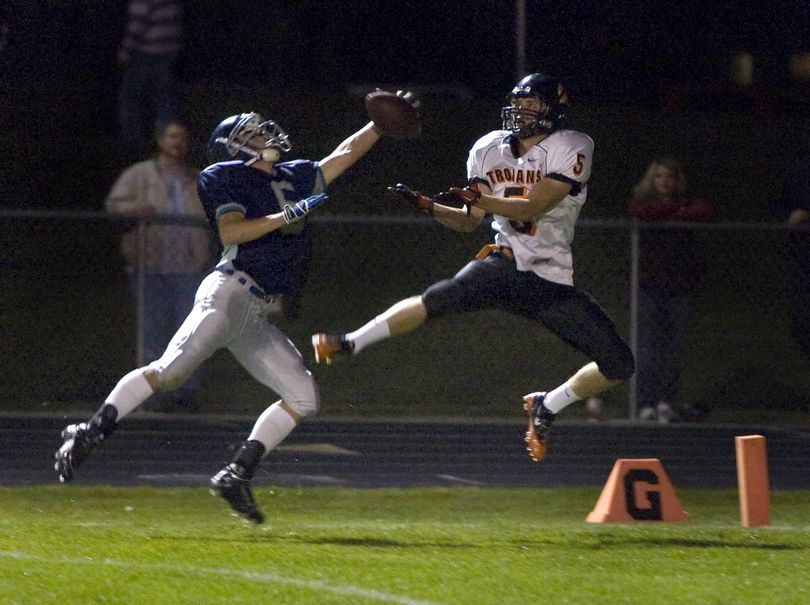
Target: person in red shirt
670,267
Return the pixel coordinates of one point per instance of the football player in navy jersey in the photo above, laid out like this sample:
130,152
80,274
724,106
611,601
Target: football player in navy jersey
253,201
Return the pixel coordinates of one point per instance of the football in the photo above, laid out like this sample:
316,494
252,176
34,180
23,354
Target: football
396,114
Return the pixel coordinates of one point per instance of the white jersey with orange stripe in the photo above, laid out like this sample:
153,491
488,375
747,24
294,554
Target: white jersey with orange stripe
542,245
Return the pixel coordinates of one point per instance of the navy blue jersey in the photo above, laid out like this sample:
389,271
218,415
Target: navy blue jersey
233,187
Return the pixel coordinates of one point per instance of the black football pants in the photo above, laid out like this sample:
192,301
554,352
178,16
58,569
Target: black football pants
570,313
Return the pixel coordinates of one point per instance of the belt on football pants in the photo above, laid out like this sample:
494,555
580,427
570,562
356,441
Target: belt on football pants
504,251
255,290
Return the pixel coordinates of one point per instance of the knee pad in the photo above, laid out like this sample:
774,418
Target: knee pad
168,378
174,369
440,297
619,367
306,401
470,289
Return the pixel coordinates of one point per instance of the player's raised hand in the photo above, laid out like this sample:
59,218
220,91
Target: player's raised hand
394,114
295,212
420,202
410,98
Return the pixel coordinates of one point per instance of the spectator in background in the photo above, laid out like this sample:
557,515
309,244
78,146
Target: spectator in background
153,38
669,269
794,209
175,254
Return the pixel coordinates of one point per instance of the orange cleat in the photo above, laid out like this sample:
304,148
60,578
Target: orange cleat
327,346
540,419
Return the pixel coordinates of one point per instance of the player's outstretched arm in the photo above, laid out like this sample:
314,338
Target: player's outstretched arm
348,152
464,218
543,197
458,219
392,114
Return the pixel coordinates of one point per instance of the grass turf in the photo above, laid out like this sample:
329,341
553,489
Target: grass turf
72,544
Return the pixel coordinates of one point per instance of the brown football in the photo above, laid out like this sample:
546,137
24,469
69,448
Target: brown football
394,115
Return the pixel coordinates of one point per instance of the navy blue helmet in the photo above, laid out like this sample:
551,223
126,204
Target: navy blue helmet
247,137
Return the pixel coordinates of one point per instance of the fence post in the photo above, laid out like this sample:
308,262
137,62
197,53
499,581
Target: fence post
632,410
140,289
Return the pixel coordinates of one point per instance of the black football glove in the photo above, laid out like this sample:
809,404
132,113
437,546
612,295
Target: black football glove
461,196
420,202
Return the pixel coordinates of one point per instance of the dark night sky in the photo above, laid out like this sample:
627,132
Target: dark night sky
59,66
606,48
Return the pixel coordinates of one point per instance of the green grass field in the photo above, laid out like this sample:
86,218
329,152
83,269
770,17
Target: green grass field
61,544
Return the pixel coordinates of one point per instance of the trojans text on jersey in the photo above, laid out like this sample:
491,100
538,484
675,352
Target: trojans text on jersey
518,176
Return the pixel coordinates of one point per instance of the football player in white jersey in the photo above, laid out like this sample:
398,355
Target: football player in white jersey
532,177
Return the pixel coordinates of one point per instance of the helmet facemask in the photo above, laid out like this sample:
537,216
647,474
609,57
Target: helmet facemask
241,142
525,122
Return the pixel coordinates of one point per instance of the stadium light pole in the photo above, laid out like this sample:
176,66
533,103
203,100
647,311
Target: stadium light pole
632,409
520,39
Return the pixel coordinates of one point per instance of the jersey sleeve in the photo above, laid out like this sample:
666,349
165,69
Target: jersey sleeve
570,161
476,171
305,175
473,166
217,197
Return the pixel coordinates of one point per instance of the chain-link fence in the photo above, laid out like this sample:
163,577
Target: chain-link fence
726,341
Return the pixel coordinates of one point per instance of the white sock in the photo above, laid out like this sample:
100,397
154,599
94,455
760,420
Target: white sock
130,392
560,397
374,331
272,427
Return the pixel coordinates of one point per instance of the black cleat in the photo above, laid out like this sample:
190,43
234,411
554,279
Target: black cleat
79,441
236,491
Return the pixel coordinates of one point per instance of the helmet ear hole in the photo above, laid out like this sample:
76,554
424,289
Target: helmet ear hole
217,148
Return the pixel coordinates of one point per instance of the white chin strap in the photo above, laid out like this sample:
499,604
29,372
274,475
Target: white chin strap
271,154
268,154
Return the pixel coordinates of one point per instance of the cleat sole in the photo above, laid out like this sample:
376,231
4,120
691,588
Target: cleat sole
535,447
327,350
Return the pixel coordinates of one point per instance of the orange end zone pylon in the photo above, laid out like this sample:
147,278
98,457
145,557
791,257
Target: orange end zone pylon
637,489
752,480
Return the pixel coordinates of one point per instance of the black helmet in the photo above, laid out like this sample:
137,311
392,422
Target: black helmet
546,89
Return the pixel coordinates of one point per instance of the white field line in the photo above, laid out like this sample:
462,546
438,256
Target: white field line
461,480
253,576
